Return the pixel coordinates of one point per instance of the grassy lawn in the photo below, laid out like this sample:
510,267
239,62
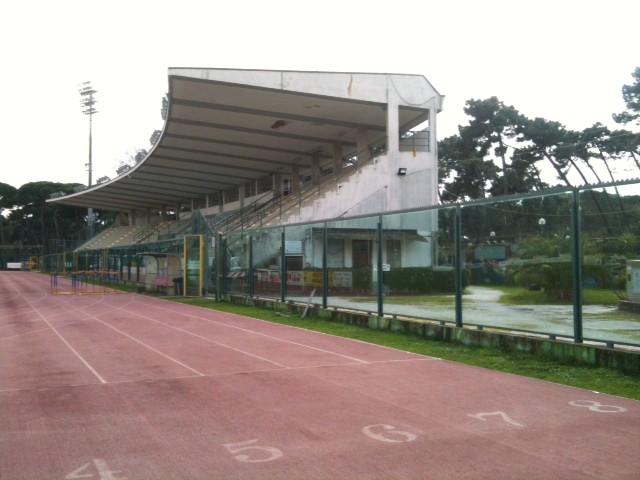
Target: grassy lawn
522,296
510,296
596,379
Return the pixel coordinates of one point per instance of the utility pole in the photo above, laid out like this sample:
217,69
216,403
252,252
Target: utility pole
87,101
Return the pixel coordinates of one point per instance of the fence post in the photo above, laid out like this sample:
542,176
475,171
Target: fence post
380,277
283,269
250,272
458,263
325,272
576,237
220,253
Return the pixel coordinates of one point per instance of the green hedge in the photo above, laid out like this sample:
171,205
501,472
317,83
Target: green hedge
408,280
423,280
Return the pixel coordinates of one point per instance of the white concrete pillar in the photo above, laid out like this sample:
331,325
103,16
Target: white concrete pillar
241,193
337,158
277,184
393,123
295,179
362,139
315,169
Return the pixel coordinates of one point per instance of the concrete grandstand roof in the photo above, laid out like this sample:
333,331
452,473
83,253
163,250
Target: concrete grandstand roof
227,127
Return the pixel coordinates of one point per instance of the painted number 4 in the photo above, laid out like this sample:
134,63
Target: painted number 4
250,453
101,468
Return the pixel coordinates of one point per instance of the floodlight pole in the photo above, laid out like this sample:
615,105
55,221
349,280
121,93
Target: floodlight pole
87,101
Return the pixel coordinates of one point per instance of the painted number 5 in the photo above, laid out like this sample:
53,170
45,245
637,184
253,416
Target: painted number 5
250,453
388,433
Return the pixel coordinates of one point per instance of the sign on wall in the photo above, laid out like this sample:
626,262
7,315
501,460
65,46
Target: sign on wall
293,247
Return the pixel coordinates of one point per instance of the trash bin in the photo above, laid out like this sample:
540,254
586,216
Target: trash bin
177,285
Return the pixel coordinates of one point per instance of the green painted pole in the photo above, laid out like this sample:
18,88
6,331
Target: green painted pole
250,279
458,263
283,269
380,277
576,237
325,272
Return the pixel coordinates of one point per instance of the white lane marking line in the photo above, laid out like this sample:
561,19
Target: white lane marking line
139,341
210,341
291,342
346,339
357,360
400,360
150,347
143,344
75,352
93,370
206,339
208,375
274,338
25,333
178,329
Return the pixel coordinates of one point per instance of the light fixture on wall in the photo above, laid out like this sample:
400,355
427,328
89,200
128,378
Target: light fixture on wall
402,171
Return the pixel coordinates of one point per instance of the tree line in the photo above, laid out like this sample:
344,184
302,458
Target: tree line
26,219
503,152
500,152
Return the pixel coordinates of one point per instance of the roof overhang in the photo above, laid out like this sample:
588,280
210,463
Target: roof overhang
225,128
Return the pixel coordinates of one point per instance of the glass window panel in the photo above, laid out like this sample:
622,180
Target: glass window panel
610,222
236,259
518,264
266,262
352,263
303,249
418,273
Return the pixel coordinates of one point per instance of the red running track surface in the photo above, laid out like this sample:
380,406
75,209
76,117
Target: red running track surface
116,387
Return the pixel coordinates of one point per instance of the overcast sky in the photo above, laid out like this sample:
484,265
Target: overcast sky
561,60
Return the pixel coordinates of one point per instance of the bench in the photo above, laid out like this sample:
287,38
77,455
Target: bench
162,284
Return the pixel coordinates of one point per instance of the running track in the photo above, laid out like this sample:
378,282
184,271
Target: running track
114,387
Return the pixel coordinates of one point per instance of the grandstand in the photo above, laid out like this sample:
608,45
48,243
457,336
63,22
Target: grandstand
242,149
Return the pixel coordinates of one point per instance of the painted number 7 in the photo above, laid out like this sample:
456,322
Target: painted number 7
250,453
504,416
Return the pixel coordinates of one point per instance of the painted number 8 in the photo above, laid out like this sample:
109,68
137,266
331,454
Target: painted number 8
597,406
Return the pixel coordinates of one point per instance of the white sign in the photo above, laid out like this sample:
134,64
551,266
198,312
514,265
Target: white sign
386,267
635,281
293,247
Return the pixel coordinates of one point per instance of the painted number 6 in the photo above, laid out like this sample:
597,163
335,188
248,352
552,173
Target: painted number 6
249,453
398,436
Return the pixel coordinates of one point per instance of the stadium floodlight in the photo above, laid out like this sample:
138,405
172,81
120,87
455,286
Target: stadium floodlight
88,102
